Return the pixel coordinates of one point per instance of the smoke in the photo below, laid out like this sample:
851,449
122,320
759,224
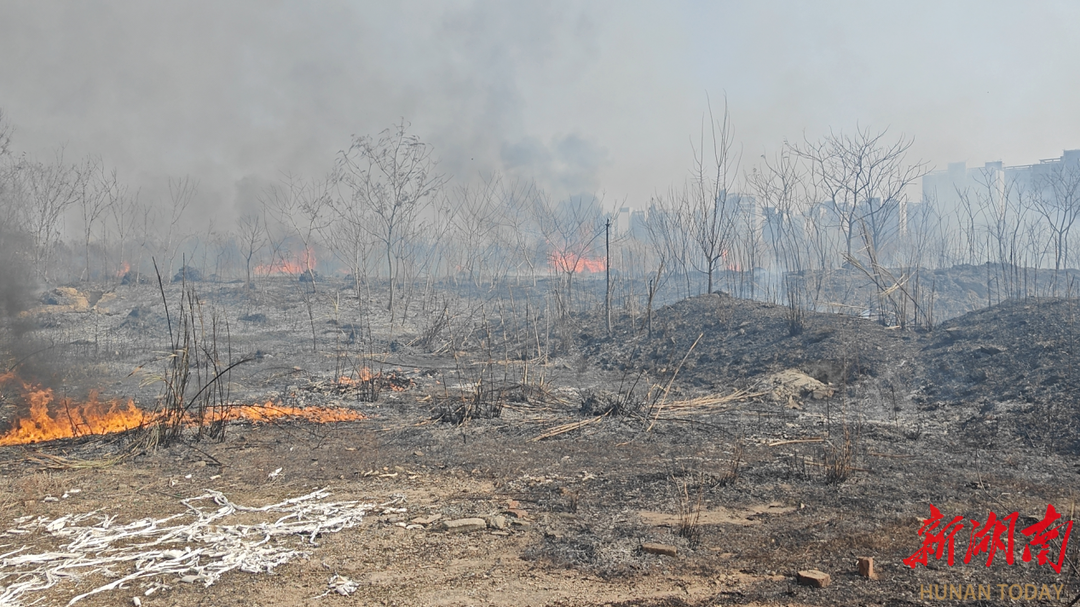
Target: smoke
569,165
16,285
228,92
14,245
578,96
17,282
17,288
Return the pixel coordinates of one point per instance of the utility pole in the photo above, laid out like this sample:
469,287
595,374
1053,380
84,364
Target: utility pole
607,272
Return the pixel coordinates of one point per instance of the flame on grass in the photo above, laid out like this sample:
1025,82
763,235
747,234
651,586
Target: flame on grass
573,263
68,418
125,267
52,418
270,411
289,264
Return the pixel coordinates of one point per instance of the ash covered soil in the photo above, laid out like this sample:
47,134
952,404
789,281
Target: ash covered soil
752,449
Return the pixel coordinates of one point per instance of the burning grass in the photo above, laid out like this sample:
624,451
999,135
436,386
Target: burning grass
51,418
290,263
576,263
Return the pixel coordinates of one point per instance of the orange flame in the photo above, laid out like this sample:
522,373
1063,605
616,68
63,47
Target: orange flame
270,411
70,419
574,262
125,267
728,264
291,264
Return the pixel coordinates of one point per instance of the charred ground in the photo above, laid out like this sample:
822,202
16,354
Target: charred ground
979,414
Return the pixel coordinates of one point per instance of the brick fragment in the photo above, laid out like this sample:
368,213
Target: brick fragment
866,567
814,578
661,549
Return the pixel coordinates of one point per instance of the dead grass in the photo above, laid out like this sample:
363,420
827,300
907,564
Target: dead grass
690,500
839,458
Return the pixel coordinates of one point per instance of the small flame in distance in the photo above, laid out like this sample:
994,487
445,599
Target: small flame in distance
291,264
573,263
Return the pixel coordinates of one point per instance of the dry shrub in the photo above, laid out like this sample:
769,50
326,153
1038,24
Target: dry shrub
839,459
476,400
690,499
196,388
435,326
730,473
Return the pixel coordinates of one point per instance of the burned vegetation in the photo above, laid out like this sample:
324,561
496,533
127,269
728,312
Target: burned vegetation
474,393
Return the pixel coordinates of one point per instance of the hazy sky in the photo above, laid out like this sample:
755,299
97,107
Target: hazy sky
582,96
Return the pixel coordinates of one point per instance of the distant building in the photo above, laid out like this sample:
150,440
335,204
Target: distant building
1038,178
638,221
745,210
950,190
629,222
620,222
772,225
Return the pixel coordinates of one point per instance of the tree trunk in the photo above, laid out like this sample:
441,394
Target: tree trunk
390,272
607,274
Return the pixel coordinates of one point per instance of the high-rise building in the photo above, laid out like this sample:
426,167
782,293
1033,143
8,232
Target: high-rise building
950,190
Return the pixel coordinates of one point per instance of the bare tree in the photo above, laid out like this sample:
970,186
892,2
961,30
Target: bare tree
1056,197
121,211
420,246
779,187
518,204
476,224
394,177
971,219
181,192
303,208
706,201
251,236
8,216
100,189
745,251
44,192
1006,232
670,240
6,131
501,253
142,224
570,229
347,236
864,177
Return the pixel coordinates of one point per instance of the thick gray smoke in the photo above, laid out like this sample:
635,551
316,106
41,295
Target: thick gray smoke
16,293
581,97
15,278
14,269
237,93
